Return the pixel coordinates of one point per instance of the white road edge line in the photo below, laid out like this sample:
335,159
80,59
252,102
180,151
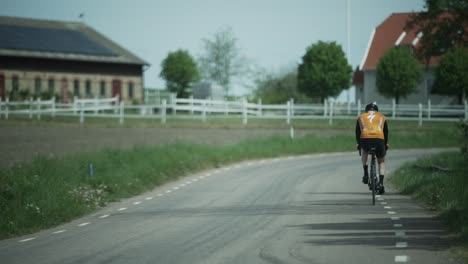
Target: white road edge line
59,231
122,209
148,198
84,224
104,216
395,218
398,225
137,203
391,212
27,239
400,233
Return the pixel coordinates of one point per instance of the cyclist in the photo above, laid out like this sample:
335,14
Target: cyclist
372,130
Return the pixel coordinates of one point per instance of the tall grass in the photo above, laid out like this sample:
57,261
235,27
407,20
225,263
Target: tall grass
47,192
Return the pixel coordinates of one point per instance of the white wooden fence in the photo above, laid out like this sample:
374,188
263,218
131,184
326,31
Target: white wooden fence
203,109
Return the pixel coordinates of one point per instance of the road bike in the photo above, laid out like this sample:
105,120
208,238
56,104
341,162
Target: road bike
373,182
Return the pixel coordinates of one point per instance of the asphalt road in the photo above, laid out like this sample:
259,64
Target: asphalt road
308,209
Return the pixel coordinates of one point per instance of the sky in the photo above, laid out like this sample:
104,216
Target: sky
272,34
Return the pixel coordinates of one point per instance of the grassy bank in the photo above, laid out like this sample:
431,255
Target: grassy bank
48,192
441,183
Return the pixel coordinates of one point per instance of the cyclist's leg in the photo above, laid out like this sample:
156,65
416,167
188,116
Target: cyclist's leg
364,159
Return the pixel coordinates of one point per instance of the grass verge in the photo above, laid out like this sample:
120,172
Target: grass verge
441,183
48,192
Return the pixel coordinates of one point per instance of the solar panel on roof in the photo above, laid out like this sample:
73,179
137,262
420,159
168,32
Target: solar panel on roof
50,40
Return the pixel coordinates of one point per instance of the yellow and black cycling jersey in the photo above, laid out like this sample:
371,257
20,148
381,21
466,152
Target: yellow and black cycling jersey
372,124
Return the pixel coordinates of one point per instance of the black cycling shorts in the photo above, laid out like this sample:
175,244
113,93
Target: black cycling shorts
379,144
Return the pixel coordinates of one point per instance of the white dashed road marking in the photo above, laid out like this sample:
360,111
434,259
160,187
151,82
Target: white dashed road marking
391,212
148,198
122,209
397,225
59,231
104,216
395,218
399,233
84,224
401,258
401,244
137,203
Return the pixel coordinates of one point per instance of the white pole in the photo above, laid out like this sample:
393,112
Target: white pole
163,111
348,42
288,112
420,114
291,132
330,122
393,108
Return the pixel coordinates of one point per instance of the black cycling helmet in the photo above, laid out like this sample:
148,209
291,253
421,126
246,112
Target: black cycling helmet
372,107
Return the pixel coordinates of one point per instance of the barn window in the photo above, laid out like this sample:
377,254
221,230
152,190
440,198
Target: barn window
76,88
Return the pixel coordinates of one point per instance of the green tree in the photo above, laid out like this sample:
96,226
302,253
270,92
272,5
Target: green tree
443,25
451,76
398,73
180,71
221,59
324,71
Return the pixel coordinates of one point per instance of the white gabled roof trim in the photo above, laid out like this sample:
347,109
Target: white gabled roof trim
367,50
400,38
416,40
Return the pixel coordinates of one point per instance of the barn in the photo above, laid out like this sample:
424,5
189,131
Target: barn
44,58
392,32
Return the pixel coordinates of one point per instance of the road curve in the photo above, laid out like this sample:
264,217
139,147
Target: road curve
307,209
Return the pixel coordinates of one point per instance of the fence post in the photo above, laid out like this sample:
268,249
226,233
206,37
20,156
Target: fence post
174,103
393,108
429,109
204,111
7,110
96,102
291,132
191,105
330,122
420,114
163,111
121,118
466,110
81,113
325,107
259,105
244,111
53,106
292,107
38,108
75,104
288,112
30,107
